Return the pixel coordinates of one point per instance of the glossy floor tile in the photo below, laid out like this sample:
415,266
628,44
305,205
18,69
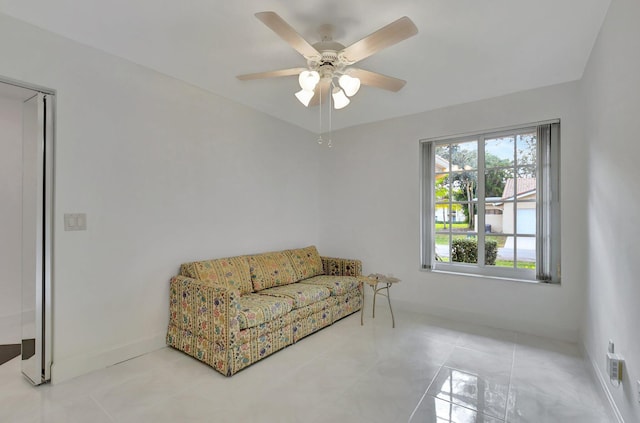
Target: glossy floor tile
427,369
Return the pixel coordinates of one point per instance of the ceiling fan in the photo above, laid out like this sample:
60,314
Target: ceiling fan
329,59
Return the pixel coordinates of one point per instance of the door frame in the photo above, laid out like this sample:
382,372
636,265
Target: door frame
45,303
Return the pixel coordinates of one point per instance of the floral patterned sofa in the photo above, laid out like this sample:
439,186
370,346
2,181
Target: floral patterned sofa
232,312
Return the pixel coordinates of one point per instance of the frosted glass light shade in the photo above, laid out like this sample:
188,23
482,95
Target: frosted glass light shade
349,84
308,80
339,99
305,96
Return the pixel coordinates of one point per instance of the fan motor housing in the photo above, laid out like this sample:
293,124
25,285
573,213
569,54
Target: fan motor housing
329,56
328,62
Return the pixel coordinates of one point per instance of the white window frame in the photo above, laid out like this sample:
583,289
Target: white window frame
547,206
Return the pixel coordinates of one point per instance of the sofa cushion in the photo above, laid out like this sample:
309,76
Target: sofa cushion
341,267
271,269
301,294
232,272
256,309
306,262
338,285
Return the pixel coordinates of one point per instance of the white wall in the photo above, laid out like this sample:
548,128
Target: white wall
166,173
372,179
169,173
10,218
611,87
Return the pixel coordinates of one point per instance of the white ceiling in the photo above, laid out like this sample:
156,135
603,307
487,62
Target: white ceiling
465,50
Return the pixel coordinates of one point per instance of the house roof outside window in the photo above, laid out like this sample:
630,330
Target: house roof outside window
526,186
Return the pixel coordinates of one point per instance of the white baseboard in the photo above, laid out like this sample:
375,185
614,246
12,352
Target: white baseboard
513,324
595,372
74,366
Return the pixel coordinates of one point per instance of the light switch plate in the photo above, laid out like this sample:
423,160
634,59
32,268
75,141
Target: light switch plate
75,221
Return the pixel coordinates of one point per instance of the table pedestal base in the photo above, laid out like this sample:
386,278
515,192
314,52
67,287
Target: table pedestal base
374,286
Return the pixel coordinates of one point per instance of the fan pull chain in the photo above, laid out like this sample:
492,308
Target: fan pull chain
320,123
329,144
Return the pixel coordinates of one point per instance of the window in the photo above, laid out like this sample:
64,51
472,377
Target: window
490,203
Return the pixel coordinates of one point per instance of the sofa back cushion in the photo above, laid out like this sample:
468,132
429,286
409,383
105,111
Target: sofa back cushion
306,262
271,269
232,272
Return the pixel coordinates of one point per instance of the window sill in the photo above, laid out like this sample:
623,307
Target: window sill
473,275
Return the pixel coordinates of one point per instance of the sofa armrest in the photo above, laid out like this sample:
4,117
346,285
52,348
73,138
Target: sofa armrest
341,267
206,310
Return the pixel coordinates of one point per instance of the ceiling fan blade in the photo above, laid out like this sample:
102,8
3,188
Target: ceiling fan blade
271,74
287,33
386,36
378,80
321,91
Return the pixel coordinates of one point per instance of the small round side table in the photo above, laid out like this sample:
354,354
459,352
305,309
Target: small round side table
373,280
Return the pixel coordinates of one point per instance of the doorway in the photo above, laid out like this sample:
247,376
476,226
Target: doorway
26,175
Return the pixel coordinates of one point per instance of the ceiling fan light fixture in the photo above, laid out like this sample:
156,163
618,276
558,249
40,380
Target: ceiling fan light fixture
305,96
308,80
349,84
339,99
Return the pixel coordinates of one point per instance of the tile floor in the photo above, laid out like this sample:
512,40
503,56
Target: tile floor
425,370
